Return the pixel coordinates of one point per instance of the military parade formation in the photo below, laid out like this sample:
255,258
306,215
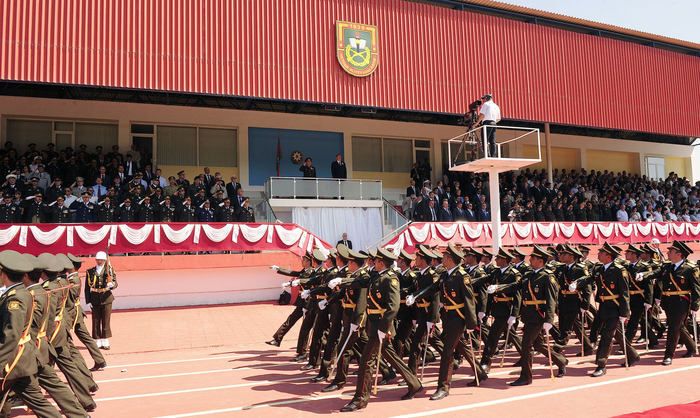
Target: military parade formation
393,313
41,313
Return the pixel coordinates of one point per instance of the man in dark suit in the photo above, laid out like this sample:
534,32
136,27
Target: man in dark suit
444,214
430,214
208,181
412,189
483,215
232,188
106,178
458,213
345,241
238,199
130,168
469,214
338,168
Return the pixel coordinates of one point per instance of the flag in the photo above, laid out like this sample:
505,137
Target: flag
279,153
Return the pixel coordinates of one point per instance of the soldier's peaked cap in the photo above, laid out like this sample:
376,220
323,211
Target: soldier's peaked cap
609,249
634,249
474,252
517,252
584,249
486,252
385,254
571,250
343,251
424,252
372,253
682,247
67,264
38,265
319,256
74,258
504,254
354,255
53,264
13,261
540,252
406,256
454,251
647,249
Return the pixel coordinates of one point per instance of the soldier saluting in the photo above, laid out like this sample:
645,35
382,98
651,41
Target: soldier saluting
100,281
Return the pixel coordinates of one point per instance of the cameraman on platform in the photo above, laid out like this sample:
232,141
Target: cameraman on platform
490,114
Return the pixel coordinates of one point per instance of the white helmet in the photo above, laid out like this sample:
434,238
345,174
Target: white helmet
101,256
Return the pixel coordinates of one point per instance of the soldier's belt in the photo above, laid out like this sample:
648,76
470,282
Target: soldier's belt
677,293
611,297
422,304
453,307
636,292
321,297
376,311
25,339
348,305
92,289
497,299
59,317
403,300
534,302
567,292
41,334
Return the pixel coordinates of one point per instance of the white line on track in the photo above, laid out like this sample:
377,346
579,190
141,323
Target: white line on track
235,369
182,361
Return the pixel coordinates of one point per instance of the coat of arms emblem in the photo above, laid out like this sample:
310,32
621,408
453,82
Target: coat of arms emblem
357,48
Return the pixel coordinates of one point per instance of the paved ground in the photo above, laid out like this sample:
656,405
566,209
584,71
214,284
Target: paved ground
212,361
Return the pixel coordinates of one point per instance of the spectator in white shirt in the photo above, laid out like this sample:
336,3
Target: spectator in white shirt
658,217
622,215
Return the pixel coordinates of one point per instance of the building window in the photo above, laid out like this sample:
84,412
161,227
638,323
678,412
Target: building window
398,155
22,132
388,155
193,146
177,145
367,154
218,147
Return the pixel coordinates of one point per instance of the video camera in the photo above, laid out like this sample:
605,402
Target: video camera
469,119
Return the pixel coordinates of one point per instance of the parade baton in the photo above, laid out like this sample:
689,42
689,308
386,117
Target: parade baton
549,354
340,354
376,372
695,333
476,373
425,353
624,345
481,336
583,332
646,324
505,347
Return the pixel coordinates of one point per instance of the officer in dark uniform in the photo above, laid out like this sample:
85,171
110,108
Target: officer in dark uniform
187,212
127,213
612,283
539,297
245,212
572,304
181,180
20,355
319,277
405,317
649,256
99,283
641,291
56,189
34,210
9,212
519,261
382,305
147,211
205,213
505,306
106,212
427,307
679,283
226,212
301,307
58,213
167,211
32,189
84,209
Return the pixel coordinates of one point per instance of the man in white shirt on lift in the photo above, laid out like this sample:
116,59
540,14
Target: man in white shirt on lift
490,114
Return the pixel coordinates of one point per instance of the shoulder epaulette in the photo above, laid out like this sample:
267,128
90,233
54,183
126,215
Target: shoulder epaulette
45,285
461,270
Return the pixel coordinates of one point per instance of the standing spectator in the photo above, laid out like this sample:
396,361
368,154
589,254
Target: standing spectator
409,205
308,169
209,181
219,187
245,213
161,180
134,154
490,115
171,188
431,213
338,168
444,214
622,215
412,190
345,241
232,187
483,215
458,213
205,213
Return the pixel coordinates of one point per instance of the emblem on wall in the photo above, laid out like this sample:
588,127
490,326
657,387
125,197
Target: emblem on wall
357,48
297,158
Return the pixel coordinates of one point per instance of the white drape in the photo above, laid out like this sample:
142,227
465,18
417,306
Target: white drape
253,234
48,237
217,234
92,237
363,225
136,236
7,235
288,237
643,228
177,237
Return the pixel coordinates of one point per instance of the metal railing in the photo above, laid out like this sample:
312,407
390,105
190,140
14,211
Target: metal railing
473,145
262,209
394,220
322,188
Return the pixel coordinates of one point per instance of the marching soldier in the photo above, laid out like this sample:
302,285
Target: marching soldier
382,305
519,261
679,282
19,355
649,257
318,277
300,310
505,306
99,283
641,291
407,278
612,283
572,304
539,297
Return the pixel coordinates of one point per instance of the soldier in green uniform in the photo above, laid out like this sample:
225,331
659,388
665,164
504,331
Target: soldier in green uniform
519,261
300,310
99,283
572,304
539,298
46,375
18,352
58,336
354,304
405,317
612,282
383,300
76,315
320,323
679,283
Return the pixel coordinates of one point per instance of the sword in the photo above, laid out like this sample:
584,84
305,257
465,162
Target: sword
505,347
646,324
376,372
583,333
624,345
695,333
549,354
340,354
476,373
311,334
425,353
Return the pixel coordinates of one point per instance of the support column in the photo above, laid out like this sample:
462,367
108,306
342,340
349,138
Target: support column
548,148
495,209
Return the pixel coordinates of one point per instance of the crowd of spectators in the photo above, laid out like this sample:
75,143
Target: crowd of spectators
81,187
573,196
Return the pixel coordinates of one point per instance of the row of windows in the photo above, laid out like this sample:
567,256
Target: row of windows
388,155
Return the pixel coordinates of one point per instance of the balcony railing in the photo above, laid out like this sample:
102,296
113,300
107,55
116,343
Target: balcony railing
322,188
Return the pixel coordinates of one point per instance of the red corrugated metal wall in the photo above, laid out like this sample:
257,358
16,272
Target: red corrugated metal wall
431,59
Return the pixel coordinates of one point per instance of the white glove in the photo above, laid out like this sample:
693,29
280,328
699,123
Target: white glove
410,300
639,277
511,321
658,302
110,285
481,315
470,331
414,323
647,306
304,311
285,285
491,289
305,294
329,317
547,326
623,319
583,311
295,282
430,325
90,306
381,335
441,305
572,287
274,267
353,328
334,283
322,304
693,313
